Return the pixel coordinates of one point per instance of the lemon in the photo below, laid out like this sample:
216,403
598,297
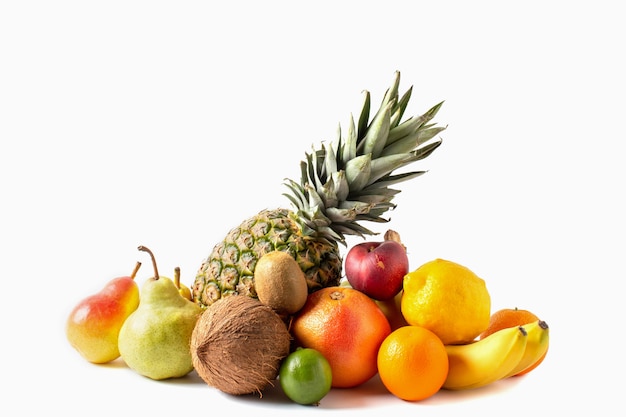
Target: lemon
448,299
305,376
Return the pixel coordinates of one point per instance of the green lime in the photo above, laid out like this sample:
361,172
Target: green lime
305,376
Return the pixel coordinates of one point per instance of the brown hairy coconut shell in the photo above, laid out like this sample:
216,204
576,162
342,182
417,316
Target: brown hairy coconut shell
238,344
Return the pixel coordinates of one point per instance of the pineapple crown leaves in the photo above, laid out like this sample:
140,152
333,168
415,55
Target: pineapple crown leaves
348,181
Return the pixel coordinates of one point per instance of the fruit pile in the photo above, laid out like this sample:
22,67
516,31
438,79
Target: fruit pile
434,331
271,303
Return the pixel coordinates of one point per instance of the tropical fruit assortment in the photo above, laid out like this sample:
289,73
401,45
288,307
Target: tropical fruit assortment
279,302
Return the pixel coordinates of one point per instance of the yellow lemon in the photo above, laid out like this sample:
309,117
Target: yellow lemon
448,299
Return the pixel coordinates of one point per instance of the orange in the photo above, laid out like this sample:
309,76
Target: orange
347,327
412,363
510,317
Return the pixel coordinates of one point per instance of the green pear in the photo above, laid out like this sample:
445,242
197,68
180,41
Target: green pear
154,340
184,290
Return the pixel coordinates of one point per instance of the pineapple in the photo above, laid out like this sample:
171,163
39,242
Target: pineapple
342,184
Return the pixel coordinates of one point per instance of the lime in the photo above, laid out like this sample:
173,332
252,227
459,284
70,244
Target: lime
305,376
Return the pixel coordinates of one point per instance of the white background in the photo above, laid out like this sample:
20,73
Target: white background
167,123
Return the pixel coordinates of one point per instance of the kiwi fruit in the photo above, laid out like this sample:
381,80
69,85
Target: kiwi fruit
280,282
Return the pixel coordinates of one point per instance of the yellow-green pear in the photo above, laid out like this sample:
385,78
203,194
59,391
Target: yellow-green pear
154,340
182,288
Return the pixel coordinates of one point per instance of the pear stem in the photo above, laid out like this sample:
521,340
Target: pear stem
154,265
177,277
134,274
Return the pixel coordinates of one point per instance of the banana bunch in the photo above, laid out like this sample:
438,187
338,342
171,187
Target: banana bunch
500,355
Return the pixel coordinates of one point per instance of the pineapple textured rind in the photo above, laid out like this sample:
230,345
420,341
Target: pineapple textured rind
229,269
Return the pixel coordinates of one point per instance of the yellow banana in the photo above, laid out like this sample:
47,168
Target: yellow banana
485,361
537,340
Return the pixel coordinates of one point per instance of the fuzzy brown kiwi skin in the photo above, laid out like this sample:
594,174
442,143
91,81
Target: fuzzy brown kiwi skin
280,283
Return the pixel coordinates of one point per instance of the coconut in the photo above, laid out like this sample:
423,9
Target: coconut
238,344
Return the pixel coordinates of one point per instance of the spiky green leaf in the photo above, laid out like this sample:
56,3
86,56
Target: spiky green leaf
364,116
377,133
358,171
